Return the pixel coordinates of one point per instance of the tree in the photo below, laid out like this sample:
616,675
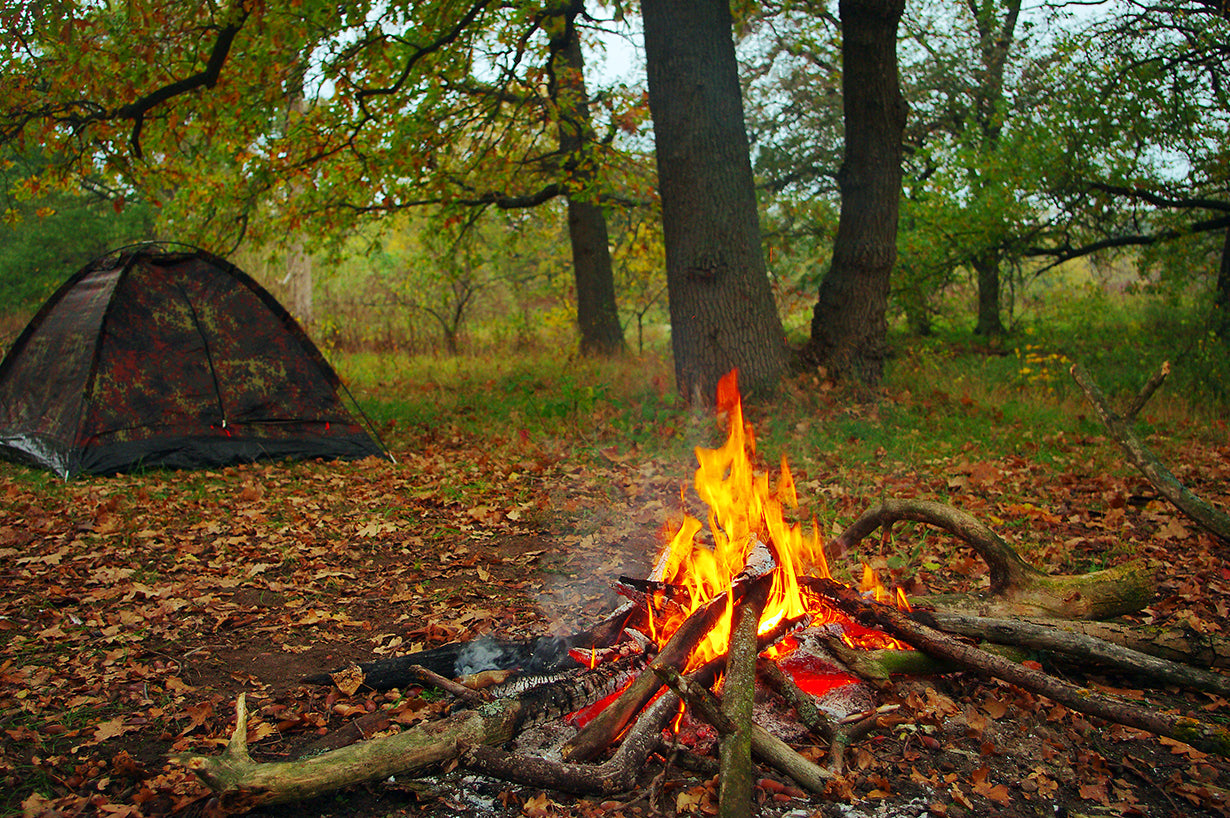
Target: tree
597,313
1144,133
721,306
198,123
849,326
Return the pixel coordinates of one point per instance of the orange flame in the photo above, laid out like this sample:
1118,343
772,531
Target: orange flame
745,510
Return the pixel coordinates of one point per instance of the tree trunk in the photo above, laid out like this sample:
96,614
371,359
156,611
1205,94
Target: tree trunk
986,266
849,325
597,313
1221,300
722,312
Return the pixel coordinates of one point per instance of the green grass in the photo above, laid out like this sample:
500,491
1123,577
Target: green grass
944,396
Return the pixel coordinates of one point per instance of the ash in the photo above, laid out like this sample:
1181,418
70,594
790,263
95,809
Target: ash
919,807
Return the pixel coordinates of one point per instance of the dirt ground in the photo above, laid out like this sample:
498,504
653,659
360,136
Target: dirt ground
135,610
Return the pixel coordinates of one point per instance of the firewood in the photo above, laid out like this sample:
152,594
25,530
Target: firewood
599,733
237,778
1172,643
1086,648
618,774
736,774
766,746
1211,519
1208,738
1017,588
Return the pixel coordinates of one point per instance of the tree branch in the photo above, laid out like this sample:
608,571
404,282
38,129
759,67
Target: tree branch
207,78
1202,513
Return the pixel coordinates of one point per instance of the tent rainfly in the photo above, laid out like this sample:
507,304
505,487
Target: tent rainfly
157,356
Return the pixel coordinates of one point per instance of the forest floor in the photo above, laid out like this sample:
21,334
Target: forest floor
135,609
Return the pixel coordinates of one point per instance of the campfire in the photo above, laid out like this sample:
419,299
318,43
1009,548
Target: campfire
749,537
742,598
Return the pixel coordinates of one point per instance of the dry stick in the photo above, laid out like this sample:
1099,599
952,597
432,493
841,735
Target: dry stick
1205,515
765,745
839,734
1041,637
812,717
1204,737
1016,586
737,777
599,733
617,774
1146,392
429,677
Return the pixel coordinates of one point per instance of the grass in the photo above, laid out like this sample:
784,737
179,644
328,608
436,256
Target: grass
946,398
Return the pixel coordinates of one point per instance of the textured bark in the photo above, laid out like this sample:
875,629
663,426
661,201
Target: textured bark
986,266
597,313
599,733
849,325
618,774
738,693
244,783
766,746
1082,648
723,316
1221,299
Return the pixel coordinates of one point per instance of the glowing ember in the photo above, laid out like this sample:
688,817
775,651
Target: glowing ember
746,510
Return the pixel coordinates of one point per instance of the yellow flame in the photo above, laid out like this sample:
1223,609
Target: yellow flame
744,509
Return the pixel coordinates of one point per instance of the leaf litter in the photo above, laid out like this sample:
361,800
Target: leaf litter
135,609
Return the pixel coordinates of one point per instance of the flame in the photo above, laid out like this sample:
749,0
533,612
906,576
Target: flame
746,509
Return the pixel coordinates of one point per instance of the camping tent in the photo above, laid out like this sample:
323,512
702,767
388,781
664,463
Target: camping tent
166,356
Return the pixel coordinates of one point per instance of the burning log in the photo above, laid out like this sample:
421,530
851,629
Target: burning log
1198,510
599,733
736,774
618,774
1205,737
1017,588
763,743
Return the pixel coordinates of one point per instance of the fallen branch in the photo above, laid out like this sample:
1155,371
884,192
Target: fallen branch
1017,588
1176,644
1202,513
1205,737
240,781
1086,648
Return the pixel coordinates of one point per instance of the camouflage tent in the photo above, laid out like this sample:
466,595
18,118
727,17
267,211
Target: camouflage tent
157,356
